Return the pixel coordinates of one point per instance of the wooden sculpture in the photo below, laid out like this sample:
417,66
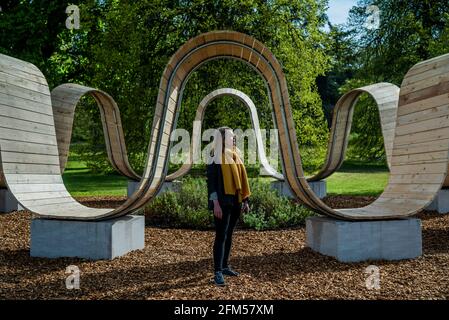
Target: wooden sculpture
386,96
31,166
66,97
196,135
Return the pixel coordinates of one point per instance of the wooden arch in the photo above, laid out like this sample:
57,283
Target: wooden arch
31,166
65,98
196,134
386,96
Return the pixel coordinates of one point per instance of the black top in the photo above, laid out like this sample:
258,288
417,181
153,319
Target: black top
215,184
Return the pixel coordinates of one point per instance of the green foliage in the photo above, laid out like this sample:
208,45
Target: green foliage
355,178
187,208
123,47
31,31
312,158
271,211
440,46
366,140
81,181
410,31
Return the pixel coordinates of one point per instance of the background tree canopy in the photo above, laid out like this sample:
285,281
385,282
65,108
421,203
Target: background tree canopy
410,31
123,46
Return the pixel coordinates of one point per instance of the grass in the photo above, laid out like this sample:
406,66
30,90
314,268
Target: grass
358,179
354,178
357,184
81,182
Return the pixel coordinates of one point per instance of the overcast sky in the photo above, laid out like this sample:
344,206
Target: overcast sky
339,10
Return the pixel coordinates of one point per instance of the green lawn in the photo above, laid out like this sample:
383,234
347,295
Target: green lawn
352,179
357,184
358,179
81,182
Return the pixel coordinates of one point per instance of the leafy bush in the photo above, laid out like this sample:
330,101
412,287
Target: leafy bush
312,158
187,208
271,211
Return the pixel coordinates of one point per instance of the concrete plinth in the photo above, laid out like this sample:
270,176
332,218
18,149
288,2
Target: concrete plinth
441,202
168,185
94,240
8,202
319,187
367,240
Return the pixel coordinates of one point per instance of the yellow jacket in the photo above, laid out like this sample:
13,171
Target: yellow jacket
235,178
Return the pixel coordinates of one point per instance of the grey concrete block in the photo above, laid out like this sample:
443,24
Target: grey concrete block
168,185
283,188
93,240
441,202
366,240
8,202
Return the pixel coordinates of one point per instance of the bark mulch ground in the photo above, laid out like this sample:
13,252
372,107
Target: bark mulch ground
177,264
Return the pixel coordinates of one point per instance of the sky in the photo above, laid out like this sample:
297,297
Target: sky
339,10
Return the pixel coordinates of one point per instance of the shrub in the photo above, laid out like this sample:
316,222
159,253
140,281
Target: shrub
272,211
312,158
187,208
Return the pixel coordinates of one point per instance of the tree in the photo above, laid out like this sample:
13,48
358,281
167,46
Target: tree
123,46
127,57
31,31
343,64
410,31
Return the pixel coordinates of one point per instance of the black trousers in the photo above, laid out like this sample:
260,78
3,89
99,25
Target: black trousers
224,228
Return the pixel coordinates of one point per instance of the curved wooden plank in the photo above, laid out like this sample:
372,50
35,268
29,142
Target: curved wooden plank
237,46
30,164
416,176
419,160
195,153
65,99
386,96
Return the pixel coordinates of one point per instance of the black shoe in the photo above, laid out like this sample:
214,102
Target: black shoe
219,279
230,272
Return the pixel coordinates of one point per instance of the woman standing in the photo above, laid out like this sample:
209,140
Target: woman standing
228,194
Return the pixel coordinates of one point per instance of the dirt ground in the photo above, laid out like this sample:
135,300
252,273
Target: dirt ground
177,264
